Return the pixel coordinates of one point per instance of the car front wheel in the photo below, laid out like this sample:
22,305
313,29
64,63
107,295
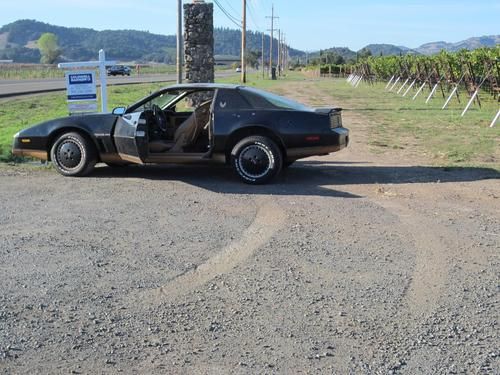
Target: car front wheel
73,155
256,160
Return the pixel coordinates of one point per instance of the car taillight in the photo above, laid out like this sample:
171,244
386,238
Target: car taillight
335,120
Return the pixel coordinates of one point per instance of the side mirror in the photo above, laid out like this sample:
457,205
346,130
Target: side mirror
119,111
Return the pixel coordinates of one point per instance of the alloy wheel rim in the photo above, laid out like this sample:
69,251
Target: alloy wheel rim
255,161
69,154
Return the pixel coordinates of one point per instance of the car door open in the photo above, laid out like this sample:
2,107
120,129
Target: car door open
131,137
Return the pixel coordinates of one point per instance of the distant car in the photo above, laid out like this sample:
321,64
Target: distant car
256,132
238,70
121,70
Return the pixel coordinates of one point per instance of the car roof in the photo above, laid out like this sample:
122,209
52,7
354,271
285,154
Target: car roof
190,86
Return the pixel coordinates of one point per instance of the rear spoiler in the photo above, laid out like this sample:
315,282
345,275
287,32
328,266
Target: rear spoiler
328,111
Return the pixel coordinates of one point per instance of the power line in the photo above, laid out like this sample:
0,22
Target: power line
228,15
230,6
232,18
252,16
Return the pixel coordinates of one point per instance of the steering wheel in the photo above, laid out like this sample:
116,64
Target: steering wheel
160,118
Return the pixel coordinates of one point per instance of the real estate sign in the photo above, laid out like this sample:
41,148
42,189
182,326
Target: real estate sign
81,85
81,91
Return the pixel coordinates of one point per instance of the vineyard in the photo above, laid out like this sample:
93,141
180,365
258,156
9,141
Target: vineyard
469,76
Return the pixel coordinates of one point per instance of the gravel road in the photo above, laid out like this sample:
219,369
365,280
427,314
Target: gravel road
350,263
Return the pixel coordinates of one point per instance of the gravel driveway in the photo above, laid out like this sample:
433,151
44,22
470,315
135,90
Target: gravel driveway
350,263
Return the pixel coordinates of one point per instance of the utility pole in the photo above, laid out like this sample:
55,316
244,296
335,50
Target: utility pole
279,52
272,17
244,43
179,41
262,57
284,55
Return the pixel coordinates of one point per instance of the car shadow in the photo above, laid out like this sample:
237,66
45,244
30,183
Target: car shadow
311,178
350,174
222,179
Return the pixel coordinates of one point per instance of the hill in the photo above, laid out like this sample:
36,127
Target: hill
435,47
470,44
18,42
388,49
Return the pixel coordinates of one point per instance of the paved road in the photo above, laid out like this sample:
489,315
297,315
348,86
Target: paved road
33,86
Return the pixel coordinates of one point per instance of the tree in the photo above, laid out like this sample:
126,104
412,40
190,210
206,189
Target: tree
47,44
364,53
252,58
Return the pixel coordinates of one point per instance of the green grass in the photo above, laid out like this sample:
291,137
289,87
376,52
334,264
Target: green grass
401,123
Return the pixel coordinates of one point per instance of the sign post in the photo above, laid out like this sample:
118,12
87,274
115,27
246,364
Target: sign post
72,88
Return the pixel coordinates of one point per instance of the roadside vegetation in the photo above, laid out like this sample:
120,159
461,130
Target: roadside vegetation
42,71
393,123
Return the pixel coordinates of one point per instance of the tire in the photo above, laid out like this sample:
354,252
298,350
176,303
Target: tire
256,160
73,155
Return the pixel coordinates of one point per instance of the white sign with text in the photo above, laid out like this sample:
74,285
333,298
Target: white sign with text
81,85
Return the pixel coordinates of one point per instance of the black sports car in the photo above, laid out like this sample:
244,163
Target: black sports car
257,132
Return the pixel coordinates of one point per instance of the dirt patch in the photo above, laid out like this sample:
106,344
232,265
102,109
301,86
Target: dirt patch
268,220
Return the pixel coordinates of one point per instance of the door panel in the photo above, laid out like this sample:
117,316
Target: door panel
131,137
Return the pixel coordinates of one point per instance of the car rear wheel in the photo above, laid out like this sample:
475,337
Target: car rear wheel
73,155
256,160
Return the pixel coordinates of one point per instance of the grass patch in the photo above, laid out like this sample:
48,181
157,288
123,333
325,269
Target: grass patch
395,122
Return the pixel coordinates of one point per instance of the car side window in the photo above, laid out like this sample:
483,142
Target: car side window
256,101
192,100
185,105
229,100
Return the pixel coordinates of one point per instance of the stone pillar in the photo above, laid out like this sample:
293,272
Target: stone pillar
199,41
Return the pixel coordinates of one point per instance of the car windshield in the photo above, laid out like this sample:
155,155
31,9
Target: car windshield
278,101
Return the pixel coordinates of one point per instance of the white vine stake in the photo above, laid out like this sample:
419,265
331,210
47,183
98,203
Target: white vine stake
495,119
449,98
390,81
470,102
395,83
419,90
409,88
432,93
404,84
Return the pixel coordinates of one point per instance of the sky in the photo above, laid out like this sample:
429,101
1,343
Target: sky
308,25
